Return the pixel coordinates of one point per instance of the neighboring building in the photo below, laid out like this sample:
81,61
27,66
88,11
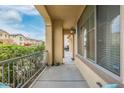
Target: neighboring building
5,37
29,42
17,39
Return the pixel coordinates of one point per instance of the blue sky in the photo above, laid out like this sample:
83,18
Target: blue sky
25,20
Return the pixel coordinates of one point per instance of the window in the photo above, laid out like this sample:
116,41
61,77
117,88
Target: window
107,32
91,36
5,36
108,37
86,36
91,45
80,42
20,38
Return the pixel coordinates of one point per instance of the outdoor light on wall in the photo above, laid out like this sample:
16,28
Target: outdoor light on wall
72,31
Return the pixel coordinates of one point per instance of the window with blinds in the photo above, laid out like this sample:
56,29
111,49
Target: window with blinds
86,36
107,34
80,41
108,37
91,35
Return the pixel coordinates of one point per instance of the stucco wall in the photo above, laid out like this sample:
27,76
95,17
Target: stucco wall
88,74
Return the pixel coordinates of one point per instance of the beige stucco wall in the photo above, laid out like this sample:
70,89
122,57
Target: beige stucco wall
58,41
88,74
4,35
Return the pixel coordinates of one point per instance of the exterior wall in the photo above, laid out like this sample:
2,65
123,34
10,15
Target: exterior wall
58,41
20,41
92,76
5,38
88,74
4,35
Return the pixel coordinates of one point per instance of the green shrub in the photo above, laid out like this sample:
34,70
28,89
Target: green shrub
11,51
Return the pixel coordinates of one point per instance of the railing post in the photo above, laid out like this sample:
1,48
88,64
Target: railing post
3,73
8,73
13,74
21,73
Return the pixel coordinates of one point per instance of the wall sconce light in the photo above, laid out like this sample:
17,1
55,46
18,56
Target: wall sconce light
73,31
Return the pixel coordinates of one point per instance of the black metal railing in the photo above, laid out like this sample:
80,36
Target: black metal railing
17,72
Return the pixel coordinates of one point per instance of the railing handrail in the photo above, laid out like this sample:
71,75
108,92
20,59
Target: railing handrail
16,58
20,71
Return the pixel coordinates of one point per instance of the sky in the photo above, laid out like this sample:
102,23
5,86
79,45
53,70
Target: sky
24,20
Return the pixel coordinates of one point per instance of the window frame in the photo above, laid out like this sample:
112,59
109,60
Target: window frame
118,77
93,29
119,49
80,27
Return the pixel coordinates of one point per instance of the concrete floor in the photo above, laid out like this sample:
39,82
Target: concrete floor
64,76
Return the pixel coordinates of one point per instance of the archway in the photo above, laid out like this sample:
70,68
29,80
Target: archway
49,43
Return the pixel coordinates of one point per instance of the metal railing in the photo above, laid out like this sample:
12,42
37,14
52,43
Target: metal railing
17,72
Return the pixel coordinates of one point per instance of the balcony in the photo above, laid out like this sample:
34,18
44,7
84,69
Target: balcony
60,21
63,76
31,71
19,72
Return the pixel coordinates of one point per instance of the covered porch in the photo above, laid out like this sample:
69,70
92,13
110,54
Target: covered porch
60,21
87,65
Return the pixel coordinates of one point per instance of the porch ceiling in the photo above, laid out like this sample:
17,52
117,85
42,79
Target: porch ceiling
69,14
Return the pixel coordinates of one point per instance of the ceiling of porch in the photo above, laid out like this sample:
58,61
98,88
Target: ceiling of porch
69,14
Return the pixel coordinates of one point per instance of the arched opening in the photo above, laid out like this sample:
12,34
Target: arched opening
48,32
22,44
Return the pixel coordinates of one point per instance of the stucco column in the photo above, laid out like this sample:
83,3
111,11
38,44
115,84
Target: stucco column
73,53
63,41
122,44
49,44
58,41
75,43
71,45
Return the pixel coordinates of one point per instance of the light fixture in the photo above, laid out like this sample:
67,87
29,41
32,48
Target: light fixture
72,31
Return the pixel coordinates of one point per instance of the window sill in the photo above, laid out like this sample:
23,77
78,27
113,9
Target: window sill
103,73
